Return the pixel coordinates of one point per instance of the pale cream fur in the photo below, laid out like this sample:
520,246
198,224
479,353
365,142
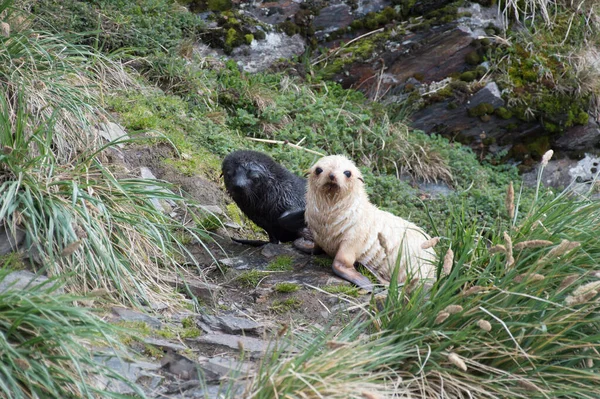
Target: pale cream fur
343,217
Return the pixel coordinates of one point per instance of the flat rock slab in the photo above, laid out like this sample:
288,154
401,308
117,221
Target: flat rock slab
19,280
253,346
231,324
135,372
227,367
128,315
164,344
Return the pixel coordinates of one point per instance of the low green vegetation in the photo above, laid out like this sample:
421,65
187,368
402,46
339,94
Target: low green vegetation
283,263
286,287
251,278
285,305
342,289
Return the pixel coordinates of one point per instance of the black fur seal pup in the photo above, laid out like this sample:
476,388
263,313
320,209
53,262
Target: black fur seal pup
269,194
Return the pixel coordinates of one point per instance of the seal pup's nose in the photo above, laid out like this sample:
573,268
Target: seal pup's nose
331,176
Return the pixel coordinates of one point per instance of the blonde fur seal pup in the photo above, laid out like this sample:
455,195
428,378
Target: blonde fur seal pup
349,228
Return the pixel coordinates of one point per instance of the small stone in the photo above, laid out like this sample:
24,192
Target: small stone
232,225
271,250
183,367
237,325
215,209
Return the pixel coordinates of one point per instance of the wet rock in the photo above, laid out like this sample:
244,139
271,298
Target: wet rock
10,240
254,347
364,7
579,138
560,173
332,18
21,279
490,94
480,19
261,54
433,55
275,12
128,315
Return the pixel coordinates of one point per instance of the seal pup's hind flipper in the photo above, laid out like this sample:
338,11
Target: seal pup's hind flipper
346,270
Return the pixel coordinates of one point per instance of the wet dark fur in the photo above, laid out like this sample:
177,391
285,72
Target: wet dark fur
267,193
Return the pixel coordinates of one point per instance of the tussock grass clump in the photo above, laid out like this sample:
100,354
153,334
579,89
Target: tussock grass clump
46,76
82,220
45,346
494,325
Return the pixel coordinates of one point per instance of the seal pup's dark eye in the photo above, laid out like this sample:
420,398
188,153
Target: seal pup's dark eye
348,173
318,171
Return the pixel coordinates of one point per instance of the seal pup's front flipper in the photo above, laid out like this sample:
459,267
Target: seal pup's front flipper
344,268
292,220
252,243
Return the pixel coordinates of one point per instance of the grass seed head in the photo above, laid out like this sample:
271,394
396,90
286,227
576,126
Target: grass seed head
484,325
573,300
22,364
585,288
4,29
71,248
532,244
473,290
528,385
453,309
510,200
457,361
441,317
567,281
561,249
448,260
497,248
430,243
546,157
529,277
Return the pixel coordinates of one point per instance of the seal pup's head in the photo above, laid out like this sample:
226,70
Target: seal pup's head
335,175
247,173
